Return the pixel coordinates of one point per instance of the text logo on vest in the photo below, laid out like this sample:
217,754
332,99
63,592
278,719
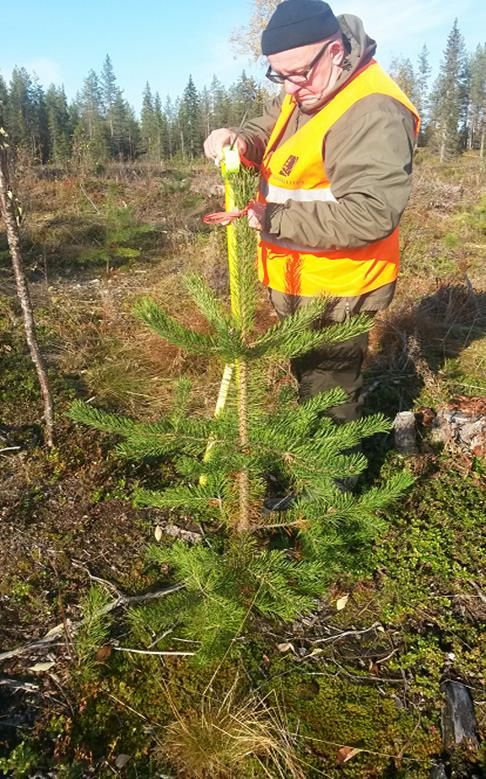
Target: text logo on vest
288,165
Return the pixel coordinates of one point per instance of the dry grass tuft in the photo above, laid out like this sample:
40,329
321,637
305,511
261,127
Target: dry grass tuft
221,738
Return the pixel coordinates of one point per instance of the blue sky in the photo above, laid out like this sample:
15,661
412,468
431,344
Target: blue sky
163,41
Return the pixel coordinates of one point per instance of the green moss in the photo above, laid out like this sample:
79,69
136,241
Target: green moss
345,713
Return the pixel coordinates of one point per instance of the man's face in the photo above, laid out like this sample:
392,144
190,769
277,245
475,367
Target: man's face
319,82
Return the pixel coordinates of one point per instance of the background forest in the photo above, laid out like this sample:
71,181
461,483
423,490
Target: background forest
99,125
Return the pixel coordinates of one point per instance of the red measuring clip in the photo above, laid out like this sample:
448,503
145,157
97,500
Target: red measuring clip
225,217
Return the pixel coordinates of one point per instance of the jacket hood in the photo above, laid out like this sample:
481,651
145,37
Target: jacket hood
361,48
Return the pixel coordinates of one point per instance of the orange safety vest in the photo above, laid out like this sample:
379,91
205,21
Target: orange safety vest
295,171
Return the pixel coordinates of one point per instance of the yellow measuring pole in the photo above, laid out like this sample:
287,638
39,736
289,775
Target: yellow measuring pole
229,164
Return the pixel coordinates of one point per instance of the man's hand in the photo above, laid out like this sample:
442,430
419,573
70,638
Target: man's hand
256,215
214,143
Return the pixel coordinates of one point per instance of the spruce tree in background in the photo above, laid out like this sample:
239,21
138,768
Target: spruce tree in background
20,113
206,112
118,115
190,121
3,102
125,138
477,106
221,108
58,123
244,99
247,568
449,99
148,125
161,124
109,93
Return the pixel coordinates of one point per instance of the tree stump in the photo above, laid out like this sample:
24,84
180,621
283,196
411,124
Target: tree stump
405,433
462,425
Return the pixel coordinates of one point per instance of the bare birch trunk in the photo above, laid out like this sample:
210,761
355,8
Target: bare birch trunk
7,209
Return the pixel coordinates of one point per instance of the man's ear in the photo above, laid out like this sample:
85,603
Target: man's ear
337,52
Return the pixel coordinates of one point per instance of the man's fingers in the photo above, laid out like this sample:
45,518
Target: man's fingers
218,139
214,143
253,220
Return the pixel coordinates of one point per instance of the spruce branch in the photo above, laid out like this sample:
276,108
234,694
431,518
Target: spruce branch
208,303
301,331
379,497
80,411
171,330
206,499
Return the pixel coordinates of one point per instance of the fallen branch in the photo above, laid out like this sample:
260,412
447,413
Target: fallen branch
152,652
346,633
51,638
18,684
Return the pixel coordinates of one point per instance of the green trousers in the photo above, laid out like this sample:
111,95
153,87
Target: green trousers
330,365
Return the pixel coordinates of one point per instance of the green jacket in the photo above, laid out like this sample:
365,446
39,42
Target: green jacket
368,158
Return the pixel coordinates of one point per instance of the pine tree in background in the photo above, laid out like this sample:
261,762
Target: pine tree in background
247,568
449,99
91,136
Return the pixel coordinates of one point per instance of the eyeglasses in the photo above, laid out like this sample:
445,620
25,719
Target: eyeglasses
297,78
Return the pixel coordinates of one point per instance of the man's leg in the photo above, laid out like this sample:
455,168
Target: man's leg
329,365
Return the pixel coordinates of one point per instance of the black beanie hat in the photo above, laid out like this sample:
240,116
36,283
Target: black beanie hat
296,23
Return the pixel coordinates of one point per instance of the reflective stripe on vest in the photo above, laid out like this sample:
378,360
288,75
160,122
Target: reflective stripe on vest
295,170
273,194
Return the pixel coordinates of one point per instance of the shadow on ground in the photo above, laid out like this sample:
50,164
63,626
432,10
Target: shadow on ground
424,353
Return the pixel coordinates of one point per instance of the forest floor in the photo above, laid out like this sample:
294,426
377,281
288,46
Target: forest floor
359,689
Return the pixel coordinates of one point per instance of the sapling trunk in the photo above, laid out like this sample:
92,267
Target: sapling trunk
8,211
244,478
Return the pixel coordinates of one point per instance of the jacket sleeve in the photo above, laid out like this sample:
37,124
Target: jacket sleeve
368,159
257,131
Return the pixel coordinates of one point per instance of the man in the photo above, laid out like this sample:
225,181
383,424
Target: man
335,153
